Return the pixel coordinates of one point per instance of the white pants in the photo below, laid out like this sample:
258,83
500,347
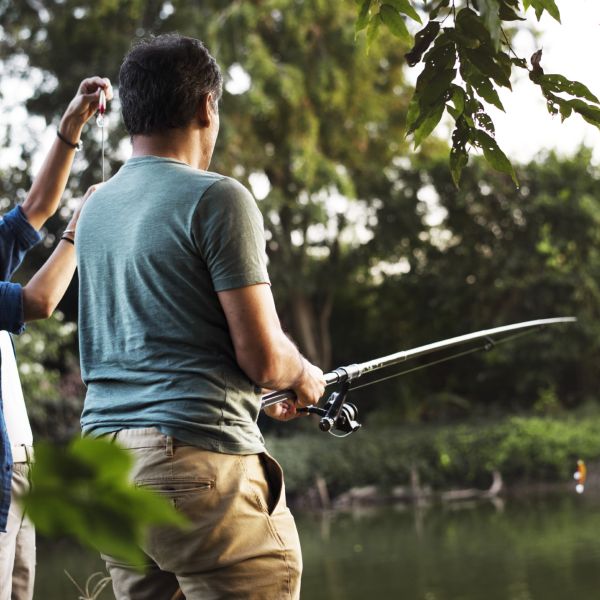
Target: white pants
17,545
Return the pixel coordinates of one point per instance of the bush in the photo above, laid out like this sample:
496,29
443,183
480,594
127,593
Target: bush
523,449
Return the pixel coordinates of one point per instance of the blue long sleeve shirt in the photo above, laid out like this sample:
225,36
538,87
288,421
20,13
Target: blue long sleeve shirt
16,237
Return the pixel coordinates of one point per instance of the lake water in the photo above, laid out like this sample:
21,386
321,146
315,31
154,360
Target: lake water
534,548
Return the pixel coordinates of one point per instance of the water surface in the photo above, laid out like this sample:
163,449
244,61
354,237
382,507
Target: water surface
527,549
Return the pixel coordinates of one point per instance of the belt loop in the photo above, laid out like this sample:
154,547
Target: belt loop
28,454
169,446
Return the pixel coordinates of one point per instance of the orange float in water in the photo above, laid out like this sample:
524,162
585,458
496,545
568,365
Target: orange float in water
580,476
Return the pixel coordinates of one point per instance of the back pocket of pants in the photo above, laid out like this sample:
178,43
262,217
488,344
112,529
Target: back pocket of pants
176,487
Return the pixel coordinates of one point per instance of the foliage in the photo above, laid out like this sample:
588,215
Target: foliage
466,56
523,449
50,378
318,125
484,255
83,490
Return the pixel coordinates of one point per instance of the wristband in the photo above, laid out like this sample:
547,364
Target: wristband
62,138
68,239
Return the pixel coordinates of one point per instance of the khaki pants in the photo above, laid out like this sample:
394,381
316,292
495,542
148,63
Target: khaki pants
17,545
242,543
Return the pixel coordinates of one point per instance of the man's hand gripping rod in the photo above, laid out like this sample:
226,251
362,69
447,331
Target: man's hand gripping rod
337,413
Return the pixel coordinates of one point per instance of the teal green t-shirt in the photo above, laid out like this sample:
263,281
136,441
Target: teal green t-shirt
154,245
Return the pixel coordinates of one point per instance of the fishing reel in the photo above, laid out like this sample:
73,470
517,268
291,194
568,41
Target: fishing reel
337,414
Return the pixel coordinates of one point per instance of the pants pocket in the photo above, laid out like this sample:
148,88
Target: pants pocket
274,476
176,487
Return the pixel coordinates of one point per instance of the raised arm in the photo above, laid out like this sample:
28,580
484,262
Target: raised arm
265,353
45,194
47,287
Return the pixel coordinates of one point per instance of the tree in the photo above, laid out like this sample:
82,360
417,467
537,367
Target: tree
494,255
320,123
466,54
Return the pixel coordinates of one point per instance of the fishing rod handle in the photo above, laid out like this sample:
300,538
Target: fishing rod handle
338,375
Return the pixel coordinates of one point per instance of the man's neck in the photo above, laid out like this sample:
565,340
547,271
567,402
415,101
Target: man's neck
179,144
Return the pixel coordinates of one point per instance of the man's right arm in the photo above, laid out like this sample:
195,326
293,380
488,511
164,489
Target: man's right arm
262,349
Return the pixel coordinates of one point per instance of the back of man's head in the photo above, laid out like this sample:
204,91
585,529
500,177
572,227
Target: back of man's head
162,82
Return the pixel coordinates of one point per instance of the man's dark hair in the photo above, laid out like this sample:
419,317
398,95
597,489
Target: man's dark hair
163,80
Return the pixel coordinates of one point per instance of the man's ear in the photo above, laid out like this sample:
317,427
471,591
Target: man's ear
206,111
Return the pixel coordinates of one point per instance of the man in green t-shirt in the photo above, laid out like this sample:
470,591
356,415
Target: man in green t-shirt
179,334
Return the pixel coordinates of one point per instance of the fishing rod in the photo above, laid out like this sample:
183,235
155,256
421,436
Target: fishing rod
338,414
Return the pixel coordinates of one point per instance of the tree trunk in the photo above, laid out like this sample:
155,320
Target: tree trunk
310,328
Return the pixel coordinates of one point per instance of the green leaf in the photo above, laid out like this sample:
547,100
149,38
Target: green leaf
484,61
458,99
413,112
504,62
461,40
508,14
363,16
560,84
372,30
83,490
482,85
423,40
590,113
406,8
436,11
490,15
492,153
565,110
428,125
519,62
551,8
441,58
458,154
484,120
395,23
543,5
435,93
470,24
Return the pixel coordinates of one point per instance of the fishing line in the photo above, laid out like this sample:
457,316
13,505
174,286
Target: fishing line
488,346
101,122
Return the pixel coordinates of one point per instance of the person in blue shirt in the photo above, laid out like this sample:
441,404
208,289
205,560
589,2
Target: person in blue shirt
18,304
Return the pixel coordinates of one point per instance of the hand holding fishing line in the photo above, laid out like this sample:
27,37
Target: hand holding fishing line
91,97
85,104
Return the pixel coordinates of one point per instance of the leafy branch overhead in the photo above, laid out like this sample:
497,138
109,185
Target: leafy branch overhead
466,57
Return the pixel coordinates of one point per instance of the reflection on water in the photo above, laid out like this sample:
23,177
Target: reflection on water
527,549
535,549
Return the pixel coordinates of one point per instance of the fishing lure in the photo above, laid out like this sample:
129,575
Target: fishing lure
580,476
101,122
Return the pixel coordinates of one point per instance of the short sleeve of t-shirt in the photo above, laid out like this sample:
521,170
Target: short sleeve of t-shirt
228,231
